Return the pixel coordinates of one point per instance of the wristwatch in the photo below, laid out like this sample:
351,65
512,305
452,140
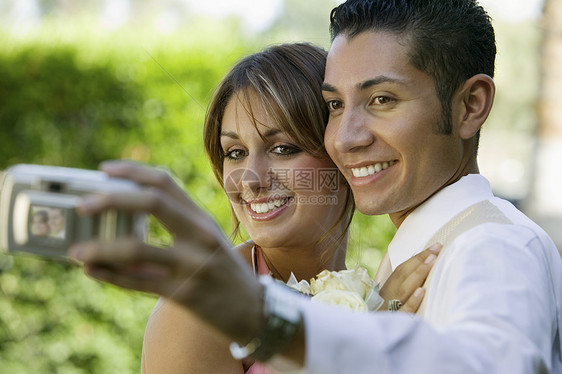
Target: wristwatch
282,321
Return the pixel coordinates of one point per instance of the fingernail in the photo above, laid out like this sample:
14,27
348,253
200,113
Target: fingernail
435,248
418,292
430,258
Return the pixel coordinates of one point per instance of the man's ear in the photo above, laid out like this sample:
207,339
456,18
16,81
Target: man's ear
476,97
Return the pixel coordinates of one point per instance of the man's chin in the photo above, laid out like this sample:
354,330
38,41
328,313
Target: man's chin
370,209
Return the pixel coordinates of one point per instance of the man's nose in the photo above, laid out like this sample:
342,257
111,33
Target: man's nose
353,131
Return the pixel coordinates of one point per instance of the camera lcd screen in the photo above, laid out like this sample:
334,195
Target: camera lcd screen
47,222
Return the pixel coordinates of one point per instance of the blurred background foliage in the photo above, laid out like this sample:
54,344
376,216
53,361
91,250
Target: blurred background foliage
74,95
67,105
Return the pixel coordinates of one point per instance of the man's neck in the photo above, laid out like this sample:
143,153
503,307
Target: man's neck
398,217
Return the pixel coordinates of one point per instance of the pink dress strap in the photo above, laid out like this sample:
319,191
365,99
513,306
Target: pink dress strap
260,268
258,262
258,368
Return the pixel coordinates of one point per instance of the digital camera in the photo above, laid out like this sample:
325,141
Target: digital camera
37,209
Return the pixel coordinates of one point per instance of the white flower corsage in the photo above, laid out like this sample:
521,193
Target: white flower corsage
353,289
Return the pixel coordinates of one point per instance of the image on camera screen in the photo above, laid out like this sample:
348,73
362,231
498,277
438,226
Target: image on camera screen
47,222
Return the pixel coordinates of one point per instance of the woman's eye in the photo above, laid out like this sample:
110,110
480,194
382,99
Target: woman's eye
285,150
235,154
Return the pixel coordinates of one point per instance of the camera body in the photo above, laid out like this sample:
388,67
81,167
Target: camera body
37,209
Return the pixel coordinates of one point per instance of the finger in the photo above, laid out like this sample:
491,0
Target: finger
134,258
410,275
147,271
122,263
176,217
414,301
150,177
407,267
122,254
416,278
145,283
176,274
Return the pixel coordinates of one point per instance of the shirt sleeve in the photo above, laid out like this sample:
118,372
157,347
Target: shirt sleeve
499,315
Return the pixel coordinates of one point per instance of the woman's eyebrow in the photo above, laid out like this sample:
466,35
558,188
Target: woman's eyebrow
233,135
271,132
229,134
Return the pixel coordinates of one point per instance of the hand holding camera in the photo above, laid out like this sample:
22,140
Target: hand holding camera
199,263
101,215
37,209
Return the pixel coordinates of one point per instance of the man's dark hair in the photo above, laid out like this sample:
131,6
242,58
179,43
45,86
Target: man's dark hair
450,40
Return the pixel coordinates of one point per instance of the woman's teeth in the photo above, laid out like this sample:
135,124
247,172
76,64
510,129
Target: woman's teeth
371,169
269,206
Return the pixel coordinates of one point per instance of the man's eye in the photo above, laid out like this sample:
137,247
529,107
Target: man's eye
334,105
382,100
235,154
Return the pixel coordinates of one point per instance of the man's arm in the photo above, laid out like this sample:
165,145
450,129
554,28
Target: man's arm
497,307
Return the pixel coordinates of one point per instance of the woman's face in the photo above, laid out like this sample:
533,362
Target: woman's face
282,195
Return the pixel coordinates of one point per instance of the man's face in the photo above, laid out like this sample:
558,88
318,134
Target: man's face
382,132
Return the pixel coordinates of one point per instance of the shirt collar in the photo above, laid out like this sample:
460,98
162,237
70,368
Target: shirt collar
424,222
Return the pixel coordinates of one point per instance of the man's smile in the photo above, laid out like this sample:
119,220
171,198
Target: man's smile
365,171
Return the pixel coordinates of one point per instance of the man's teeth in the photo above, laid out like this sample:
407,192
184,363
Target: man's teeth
269,206
371,169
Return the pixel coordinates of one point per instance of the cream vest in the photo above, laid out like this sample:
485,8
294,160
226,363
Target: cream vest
477,214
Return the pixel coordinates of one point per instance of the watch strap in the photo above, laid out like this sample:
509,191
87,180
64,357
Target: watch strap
282,321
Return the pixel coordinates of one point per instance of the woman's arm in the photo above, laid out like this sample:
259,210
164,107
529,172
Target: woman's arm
176,341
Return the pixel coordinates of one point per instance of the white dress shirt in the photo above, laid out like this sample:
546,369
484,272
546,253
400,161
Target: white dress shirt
494,304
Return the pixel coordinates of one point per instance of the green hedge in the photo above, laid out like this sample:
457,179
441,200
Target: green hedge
76,104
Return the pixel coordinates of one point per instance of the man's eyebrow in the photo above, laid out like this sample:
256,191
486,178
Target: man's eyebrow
328,87
378,80
366,84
